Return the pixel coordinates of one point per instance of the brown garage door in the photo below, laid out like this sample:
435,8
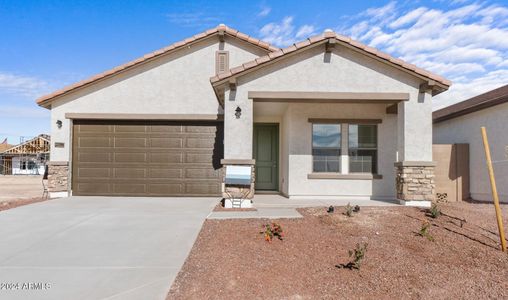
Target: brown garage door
146,158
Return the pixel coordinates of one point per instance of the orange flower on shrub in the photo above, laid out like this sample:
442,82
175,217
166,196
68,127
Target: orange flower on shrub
272,230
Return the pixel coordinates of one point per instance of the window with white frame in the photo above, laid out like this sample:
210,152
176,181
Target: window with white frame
362,148
326,147
359,150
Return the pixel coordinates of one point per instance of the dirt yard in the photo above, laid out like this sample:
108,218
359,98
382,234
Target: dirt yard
20,187
17,190
231,260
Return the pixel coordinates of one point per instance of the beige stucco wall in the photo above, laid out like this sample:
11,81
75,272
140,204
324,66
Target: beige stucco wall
344,71
466,129
300,151
177,83
405,136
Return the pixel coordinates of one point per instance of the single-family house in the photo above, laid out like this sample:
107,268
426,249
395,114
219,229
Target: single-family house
27,158
324,118
462,122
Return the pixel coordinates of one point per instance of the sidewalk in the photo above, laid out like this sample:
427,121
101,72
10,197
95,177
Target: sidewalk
279,207
265,200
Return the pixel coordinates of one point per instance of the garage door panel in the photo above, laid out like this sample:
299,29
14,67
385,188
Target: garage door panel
201,173
130,157
166,142
92,188
129,173
200,129
130,128
124,142
173,173
94,128
94,157
198,158
94,142
94,172
171,129
201,188
146,158
200,143
166,158
129,188
166,189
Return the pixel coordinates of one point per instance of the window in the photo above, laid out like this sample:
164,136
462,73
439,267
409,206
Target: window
221,61
344,146
362,149
326,142
31,165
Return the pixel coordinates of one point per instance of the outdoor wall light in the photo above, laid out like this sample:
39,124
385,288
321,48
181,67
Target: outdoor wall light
59,124
238,112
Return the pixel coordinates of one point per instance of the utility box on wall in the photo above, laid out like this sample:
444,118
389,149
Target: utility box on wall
452,172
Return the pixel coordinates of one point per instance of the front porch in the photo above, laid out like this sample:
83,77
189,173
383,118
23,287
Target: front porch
319,154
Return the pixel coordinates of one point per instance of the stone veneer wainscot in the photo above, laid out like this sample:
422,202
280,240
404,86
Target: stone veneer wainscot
58,173
415,181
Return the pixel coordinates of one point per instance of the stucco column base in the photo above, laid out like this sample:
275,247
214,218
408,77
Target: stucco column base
236,192
415,183
58,174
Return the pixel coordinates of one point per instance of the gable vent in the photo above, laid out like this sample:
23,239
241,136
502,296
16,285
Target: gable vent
221,62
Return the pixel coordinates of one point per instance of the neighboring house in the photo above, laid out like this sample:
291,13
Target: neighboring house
27,158
325,118
461,123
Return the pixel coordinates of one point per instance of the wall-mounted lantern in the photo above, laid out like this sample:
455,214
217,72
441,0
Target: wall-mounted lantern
59,124
238,112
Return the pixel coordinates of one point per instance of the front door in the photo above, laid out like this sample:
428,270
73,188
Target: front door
266,154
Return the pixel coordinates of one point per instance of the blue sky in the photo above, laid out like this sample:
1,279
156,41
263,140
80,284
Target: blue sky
48,44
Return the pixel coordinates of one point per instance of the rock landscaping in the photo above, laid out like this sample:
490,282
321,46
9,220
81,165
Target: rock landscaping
321,254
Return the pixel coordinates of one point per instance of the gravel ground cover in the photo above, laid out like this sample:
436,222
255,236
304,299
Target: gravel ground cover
460,259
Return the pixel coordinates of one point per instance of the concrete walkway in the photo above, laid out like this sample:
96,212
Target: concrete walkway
278,201
278,207
98,247
260,213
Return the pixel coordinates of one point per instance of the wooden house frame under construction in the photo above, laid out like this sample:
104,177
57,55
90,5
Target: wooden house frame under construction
29,157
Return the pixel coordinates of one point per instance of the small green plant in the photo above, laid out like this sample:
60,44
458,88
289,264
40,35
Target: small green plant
434,211
424,231
270,231
357,255
348,210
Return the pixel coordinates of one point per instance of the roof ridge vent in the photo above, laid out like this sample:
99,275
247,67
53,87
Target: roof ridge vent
328,33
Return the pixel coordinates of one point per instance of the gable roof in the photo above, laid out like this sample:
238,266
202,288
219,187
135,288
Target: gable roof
485,100
38,144
222,29
331,37
4,147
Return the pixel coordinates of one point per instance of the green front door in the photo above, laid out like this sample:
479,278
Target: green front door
266,154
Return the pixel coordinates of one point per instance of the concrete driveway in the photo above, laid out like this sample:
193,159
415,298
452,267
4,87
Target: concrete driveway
97,247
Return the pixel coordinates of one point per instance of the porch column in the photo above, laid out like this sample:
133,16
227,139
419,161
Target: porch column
415,168
238,134
238,126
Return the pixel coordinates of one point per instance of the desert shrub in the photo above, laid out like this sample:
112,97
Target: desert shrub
270,231
356,255
425,231
348,210
434,211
